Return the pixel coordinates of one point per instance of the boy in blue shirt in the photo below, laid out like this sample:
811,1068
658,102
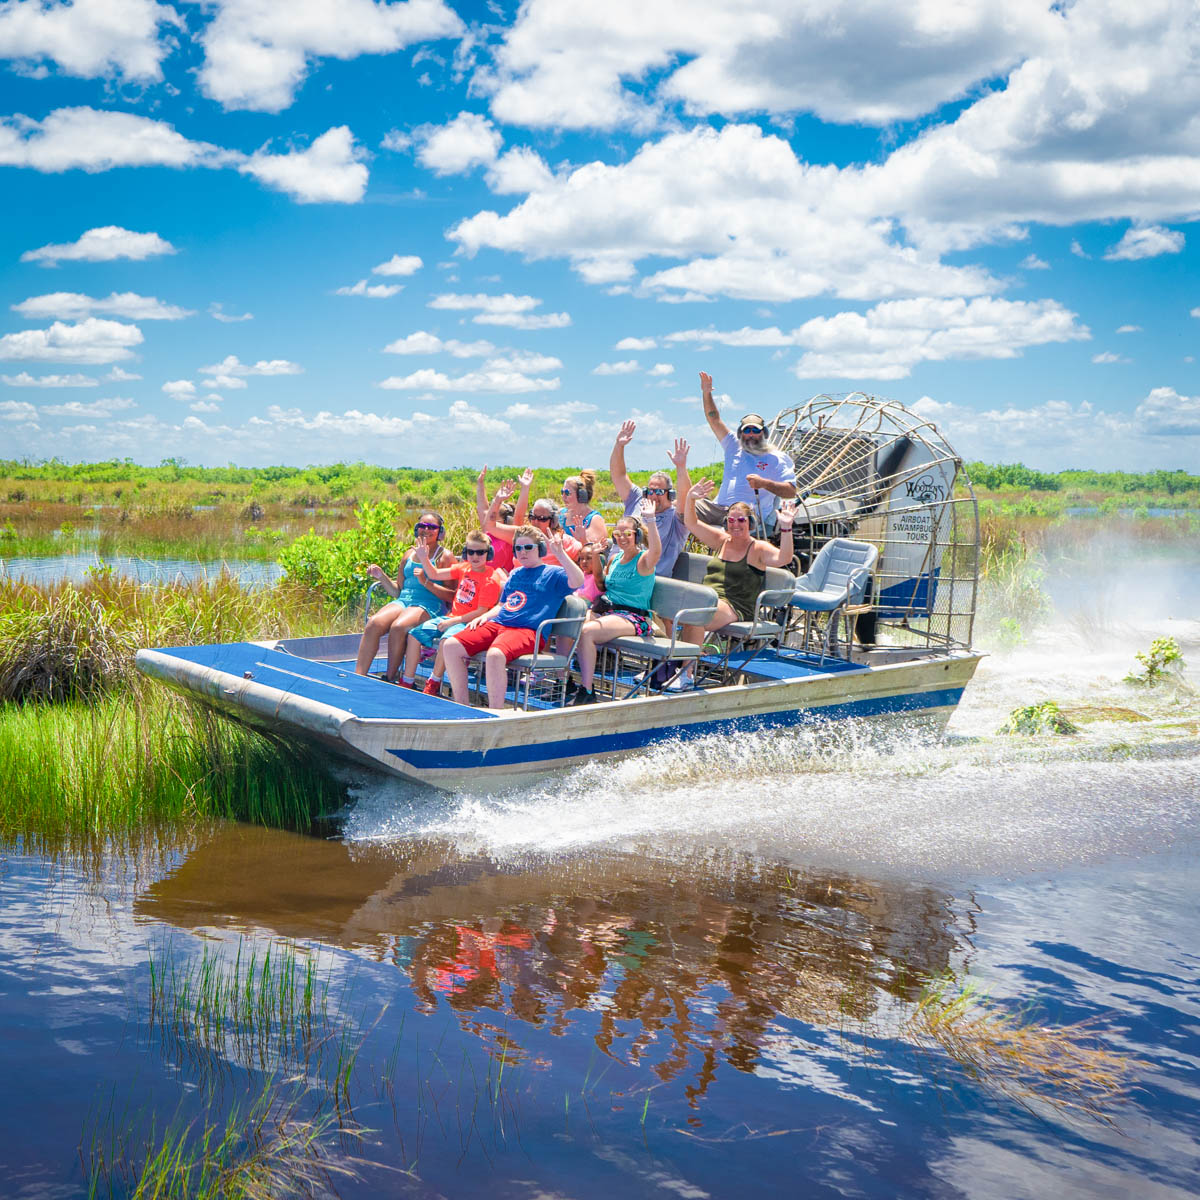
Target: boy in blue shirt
534,593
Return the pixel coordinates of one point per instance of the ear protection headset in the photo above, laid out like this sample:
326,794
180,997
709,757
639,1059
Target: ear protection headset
491,551
581,494
543,548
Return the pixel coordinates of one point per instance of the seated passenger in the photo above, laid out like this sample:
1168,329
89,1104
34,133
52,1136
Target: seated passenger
580,520
737,571
533,594
628,584
591,563
415,602
668,507
479,584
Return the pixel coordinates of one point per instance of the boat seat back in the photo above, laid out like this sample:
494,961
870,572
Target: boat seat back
690,567
838,575
673,596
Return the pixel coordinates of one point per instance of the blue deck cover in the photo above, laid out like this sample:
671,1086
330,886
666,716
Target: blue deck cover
329,683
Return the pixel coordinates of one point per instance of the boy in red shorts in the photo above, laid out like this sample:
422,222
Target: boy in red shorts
533,594
478,589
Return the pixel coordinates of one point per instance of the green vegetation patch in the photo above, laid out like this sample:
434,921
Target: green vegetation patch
143,758
1162,660
1046,717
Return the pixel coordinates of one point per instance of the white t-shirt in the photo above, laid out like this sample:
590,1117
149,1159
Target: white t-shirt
739,463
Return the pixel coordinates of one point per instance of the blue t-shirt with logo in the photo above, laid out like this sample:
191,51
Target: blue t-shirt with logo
532,595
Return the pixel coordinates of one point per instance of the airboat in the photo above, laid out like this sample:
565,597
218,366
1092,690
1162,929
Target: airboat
873,626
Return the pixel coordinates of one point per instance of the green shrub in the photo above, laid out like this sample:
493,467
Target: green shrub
1038,718
1163,657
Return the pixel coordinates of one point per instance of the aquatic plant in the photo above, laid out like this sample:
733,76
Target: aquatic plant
1045,717
143,757
266,1150
1015,1054
1163,658
77,641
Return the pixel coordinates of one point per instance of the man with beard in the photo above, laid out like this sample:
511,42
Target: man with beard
755,472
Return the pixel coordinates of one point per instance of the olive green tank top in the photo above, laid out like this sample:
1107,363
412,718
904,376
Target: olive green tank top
737,582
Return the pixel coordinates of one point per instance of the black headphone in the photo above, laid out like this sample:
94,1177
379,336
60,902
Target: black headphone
543,548
490,554
752,419
581,494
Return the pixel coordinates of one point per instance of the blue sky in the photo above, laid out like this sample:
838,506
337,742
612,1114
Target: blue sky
436,233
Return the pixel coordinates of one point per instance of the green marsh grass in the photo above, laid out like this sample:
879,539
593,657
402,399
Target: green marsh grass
147,757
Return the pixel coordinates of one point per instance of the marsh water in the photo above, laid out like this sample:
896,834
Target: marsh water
698,973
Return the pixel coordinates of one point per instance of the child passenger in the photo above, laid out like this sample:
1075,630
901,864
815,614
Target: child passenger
479,585
533,594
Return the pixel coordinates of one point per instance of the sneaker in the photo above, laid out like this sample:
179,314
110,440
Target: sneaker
433,687
404,683
583,696
683,682
571,692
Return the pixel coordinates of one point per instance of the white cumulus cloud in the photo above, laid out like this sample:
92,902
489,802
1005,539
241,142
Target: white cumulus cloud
1165,413
422,342
507,309
232,365
104,244
501,379
71,306
103,409
1147,241
469,140
399,264
257,55
626,367
179,389
330,171
90,341
374,291
24,379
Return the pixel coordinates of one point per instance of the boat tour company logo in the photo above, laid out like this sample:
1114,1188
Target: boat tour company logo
515,602
925,490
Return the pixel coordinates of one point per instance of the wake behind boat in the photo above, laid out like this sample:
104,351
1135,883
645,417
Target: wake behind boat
877,628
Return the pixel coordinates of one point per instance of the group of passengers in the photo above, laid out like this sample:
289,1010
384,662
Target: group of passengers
525,559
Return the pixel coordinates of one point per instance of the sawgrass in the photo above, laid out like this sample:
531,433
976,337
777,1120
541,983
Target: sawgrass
147,757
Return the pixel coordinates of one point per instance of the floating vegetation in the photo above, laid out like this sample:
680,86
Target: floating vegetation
1046,717
1162,660
1064,1066
1104,712
147,757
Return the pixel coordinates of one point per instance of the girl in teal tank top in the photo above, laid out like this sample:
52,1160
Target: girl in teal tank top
628,585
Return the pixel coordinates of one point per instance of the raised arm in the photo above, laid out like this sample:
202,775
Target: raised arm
575,575
653,551
710,535
523,499
781,555
719,428
490,524
683,481
481,500
616,462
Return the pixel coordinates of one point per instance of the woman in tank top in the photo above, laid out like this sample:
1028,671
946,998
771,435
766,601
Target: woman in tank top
415,599
737,568
628,583
578,517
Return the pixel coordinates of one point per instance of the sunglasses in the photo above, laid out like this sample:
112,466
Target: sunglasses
474,550
752,430
568,491
737,520
424,527
524,546
541,517
656,491
619,532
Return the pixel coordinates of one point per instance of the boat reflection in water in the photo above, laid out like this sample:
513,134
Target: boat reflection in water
677,965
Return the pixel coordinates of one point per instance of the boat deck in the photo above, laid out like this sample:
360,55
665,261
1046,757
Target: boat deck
333,681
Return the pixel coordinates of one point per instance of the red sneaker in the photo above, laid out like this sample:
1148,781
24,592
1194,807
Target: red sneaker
433,687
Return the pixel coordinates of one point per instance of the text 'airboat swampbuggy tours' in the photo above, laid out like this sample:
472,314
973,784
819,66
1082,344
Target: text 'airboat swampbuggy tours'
877,629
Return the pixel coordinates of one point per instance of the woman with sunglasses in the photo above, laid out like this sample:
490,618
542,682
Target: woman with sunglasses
533,594
755,472
737,569
628,583
502,511
580,520
414,600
